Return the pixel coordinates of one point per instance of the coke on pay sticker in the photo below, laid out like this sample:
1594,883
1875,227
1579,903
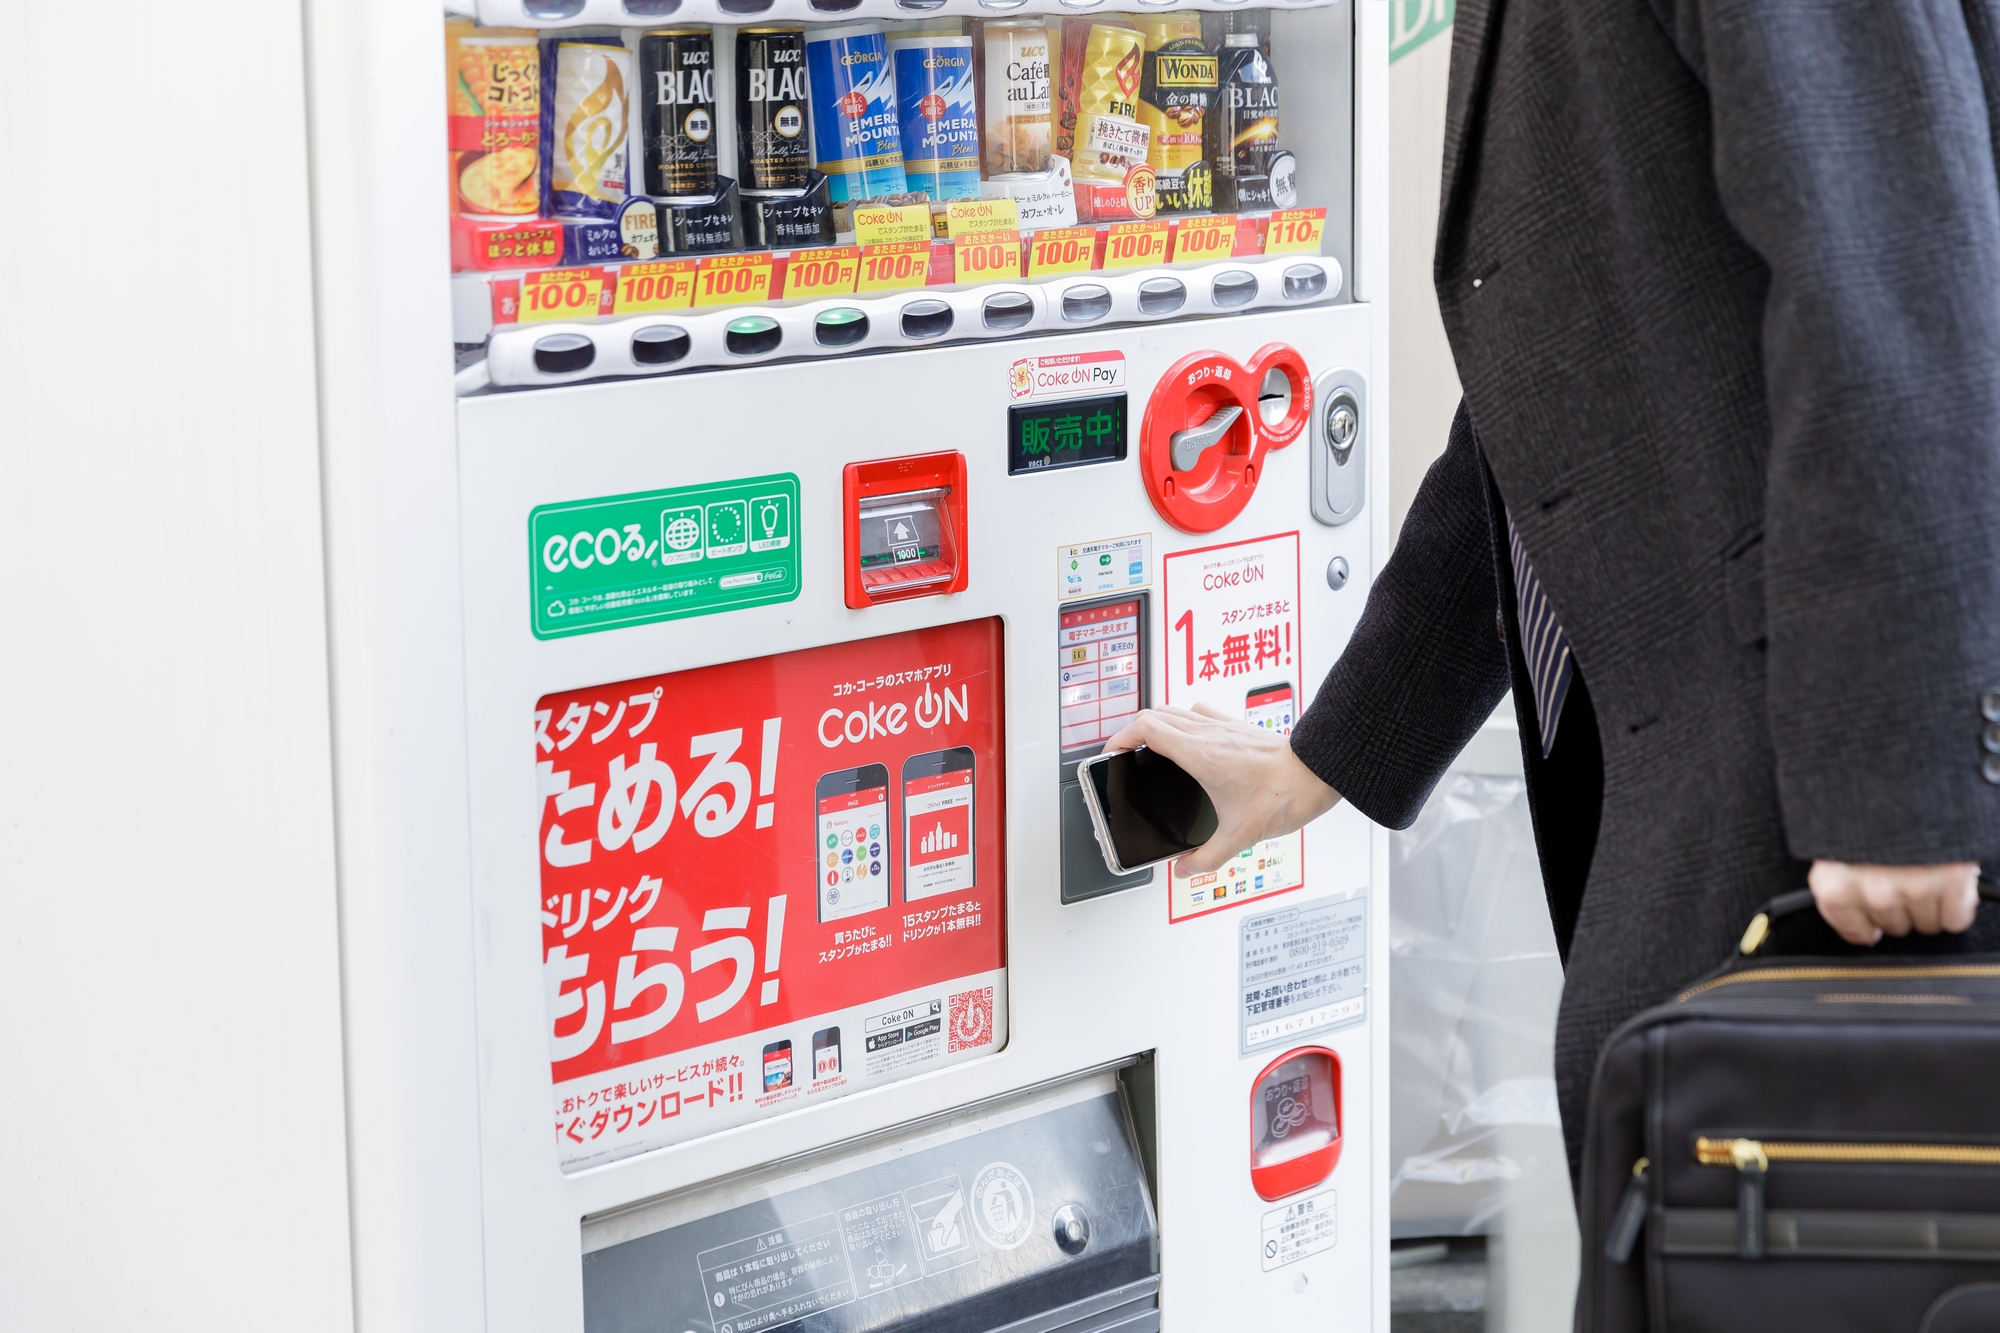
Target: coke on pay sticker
799,852
1233,635
1035,377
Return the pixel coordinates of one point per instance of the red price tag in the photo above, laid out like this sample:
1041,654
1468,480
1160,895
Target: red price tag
993,256
1062,250
666,285
1295,231
565,293
894,268
733,279
1135,244
1205,238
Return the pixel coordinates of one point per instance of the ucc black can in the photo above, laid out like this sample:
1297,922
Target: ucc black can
677,112
773,150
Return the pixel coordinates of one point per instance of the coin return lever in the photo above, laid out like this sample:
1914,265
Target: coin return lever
905,521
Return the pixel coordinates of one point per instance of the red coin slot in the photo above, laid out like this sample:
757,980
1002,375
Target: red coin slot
1295,1115
1281,415
1199,471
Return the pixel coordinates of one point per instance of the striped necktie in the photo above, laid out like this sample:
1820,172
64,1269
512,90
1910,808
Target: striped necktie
1543,643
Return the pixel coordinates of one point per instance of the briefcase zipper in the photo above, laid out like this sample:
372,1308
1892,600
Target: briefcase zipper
1735,1152
1630,1219
1752,1159
1849,974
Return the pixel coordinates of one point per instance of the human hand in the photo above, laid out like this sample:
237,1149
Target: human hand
1866,902
1259,787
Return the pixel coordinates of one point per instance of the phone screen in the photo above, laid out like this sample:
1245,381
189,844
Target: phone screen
777,1066
852,855
826,1053
937,823
1270,707
1152,808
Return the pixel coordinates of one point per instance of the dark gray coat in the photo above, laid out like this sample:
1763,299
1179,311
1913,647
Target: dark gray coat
1722,281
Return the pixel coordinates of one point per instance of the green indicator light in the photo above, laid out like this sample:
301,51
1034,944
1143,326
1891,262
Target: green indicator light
752,324
840,315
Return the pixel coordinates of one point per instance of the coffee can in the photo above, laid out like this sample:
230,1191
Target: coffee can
940,123
586,101
773,151
857,140
677,112
1018,132
788,219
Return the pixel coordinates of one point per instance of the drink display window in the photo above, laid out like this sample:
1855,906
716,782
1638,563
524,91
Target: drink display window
649,186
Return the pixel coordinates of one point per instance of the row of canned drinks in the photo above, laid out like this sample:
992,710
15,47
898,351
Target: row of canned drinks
543,125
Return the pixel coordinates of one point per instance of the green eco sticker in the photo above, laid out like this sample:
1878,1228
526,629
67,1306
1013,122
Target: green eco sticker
661,555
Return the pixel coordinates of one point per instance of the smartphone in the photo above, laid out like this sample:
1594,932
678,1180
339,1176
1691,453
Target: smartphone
777,1066
1145,808
850,850
826,1054
937,823
1270,707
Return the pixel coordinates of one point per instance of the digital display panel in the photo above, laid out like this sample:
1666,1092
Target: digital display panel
1067,433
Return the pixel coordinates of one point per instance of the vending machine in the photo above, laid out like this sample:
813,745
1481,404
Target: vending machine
855,412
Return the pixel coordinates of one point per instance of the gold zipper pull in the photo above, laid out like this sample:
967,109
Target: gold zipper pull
1630,1218
1751,1164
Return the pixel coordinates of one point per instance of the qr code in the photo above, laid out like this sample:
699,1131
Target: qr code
972,1019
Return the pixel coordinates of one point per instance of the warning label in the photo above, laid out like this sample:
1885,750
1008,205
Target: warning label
1298,1230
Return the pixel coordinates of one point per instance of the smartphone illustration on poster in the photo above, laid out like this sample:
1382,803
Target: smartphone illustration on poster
850,844
937,823
1270,707
777,1066
826,1054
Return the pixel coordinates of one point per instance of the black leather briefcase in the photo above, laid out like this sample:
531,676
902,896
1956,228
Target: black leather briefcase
1801,1142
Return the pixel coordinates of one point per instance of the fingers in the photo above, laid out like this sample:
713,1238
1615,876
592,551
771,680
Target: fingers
1865,902
1961,896
1836,892
1211,855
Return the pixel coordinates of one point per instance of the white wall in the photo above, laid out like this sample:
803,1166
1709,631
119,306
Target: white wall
1423,387
173,1115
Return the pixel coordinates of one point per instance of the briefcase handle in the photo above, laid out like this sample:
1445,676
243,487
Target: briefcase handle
1790,904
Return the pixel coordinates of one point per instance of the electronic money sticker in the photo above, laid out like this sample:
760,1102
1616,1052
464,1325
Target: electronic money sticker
743,862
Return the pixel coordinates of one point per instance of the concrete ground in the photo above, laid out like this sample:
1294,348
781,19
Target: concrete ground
1436,1292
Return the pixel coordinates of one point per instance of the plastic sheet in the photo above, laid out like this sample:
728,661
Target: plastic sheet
1475,1141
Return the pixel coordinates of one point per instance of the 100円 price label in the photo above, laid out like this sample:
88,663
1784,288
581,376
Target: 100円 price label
661,555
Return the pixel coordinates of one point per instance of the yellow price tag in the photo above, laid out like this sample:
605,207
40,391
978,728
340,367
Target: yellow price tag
733,279
1295,231
1205,238
1135,244
565,293
812,273
894,268
1062,250
878,225
991,256
666,285
966,217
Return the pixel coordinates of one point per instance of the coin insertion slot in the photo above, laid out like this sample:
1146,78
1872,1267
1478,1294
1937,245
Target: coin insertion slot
651,9
1304,281
929,318
660,344
1008,310
1161,296
1235,287
564,353
1088,301
550,10
753,335
1274,396
842,326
